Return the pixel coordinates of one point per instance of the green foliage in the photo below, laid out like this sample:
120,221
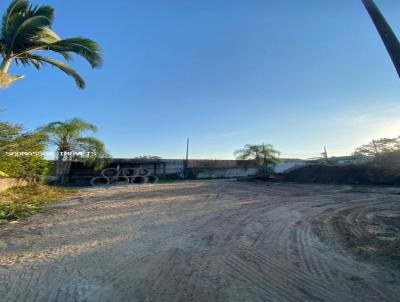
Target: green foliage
384,152
73,145
378,147
21,202
3,174
396,242
389,160
26,29
10,212
264,155
21,153
324,161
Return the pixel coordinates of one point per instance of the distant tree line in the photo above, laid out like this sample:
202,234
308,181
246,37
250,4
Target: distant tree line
378,147
384,152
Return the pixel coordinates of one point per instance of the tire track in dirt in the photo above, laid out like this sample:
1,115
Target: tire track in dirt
285,276
199,241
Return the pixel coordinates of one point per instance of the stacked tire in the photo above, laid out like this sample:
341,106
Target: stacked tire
124,176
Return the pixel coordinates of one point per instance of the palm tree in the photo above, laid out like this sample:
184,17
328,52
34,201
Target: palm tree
389,38
26,30
264,155
73,145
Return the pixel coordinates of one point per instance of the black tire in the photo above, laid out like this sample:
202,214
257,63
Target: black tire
130,172
152,179
99,181
144,172
139,180
120,180
110,172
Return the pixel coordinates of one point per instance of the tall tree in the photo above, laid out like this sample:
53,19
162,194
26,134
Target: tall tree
26,31
265,155
389,38
378,147
72,144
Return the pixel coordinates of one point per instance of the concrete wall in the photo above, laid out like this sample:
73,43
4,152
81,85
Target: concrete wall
8,182
206,173
171,168
211,163
205,169
174,168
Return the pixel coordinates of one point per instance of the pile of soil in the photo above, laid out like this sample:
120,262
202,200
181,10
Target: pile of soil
365,174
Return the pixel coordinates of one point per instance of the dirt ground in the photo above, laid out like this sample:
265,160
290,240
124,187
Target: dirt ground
203,241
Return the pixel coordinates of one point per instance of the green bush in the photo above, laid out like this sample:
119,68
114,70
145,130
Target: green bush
396,242
389,160
21,202
30,166
17,211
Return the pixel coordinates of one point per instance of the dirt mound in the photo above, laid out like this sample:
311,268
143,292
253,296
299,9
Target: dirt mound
365,174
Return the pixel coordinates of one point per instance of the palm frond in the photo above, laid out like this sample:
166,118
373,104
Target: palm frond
52,130
15,7
38,61
47,36
26,30
69,134
71,128
80,125
89,144
86,48
24,23
2,47
42,10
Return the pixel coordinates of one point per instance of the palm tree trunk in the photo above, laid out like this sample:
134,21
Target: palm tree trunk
5,65
389,38
67,168
59,167
63,167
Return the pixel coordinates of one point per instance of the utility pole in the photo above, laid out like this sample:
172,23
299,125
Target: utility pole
389,38
325,154
186,165
187,150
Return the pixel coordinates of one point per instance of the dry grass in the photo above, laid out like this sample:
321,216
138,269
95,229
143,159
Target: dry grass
5,79
21,202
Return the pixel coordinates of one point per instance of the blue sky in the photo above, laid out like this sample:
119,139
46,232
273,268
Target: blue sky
296,74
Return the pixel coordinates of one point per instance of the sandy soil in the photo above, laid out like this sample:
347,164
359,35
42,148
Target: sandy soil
199,241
